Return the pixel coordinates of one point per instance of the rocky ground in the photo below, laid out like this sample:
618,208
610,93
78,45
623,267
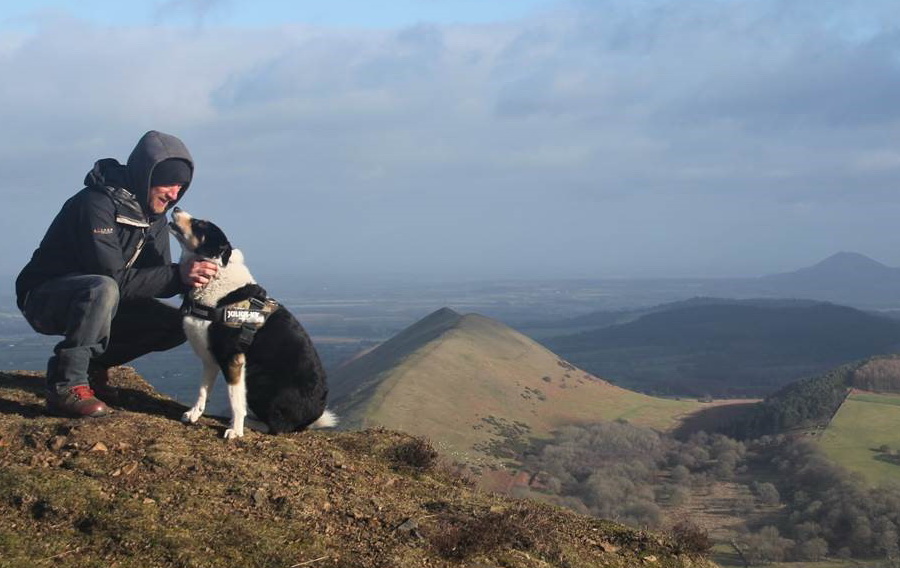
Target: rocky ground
139,489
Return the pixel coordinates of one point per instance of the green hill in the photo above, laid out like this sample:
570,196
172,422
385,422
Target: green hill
729,349
140,489
479,389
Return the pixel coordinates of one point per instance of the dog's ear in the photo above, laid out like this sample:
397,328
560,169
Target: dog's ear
213,242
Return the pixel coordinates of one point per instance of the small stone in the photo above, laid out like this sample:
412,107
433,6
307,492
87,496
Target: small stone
148,501
259,497
56,443
604,546
650,558
99,447
130,468
411,527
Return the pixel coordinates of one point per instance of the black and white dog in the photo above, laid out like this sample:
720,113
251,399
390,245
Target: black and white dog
266,356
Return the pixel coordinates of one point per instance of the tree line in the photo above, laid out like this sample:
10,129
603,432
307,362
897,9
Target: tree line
802,404
813,507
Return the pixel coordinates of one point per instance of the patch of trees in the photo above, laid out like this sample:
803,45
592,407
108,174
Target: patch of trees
619,471
805,403
881,374
826,504
809,509
826,511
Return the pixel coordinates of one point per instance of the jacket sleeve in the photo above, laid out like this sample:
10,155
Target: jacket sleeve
152,276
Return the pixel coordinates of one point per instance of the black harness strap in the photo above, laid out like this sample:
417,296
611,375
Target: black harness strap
247,315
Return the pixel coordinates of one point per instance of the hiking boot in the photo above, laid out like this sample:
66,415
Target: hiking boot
76,402
99,379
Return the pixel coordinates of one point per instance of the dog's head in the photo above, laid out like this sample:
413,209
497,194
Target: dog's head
200,237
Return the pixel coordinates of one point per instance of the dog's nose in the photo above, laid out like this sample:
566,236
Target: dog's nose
176,210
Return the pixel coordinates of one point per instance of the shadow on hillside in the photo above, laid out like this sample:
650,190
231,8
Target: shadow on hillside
712,419
892,459
23,394
137,400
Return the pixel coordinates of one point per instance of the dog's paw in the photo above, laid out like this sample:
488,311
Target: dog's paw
191,416
231,434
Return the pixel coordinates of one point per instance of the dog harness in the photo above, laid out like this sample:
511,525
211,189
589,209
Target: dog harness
247,315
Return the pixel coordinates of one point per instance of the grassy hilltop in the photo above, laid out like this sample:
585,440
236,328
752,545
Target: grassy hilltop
139,489
479,388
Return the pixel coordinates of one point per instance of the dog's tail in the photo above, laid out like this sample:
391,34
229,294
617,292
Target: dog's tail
328,420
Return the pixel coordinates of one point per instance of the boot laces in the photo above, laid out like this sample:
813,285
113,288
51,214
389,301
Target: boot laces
82,392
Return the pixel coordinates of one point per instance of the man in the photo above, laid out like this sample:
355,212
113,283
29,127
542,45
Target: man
95,275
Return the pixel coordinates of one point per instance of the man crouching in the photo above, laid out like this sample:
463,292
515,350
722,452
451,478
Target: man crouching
95,275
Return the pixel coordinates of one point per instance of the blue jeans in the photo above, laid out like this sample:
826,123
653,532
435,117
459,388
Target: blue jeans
100,330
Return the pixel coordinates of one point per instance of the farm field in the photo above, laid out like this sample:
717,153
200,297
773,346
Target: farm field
865,423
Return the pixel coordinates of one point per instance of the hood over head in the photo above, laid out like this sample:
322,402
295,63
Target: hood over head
155,147
107,171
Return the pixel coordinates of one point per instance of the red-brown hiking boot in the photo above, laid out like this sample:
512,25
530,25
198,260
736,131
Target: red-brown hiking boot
99,379
76,402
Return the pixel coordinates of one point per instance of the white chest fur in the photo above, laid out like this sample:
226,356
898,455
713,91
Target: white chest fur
228,278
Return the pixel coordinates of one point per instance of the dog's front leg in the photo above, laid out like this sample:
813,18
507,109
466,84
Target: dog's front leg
235,374
210,370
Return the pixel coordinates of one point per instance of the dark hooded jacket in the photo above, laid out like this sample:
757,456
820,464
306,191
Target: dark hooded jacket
107,228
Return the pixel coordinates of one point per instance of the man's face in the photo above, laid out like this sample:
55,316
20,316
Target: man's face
161,196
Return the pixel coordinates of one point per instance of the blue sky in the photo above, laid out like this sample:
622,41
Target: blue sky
476,139
357,13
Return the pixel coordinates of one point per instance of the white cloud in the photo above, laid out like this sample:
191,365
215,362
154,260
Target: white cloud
513,136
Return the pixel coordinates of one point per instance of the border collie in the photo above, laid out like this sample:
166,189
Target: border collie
266,356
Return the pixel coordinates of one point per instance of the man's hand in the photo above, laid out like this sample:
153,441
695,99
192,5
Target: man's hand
198,273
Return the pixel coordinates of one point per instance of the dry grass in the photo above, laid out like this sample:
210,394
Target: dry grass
138,489
417,455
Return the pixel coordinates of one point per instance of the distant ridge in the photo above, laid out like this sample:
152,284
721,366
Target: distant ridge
607,318
733,348
839,267
477,388
846,278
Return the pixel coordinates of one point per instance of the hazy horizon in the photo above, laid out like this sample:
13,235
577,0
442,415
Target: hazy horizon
469,140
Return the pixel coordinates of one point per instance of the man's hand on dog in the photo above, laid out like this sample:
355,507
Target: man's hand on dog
198,273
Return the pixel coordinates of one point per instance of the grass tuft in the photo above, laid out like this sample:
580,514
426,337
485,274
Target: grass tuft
417,454
689,538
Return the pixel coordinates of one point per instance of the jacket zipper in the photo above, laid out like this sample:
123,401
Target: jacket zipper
137,251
